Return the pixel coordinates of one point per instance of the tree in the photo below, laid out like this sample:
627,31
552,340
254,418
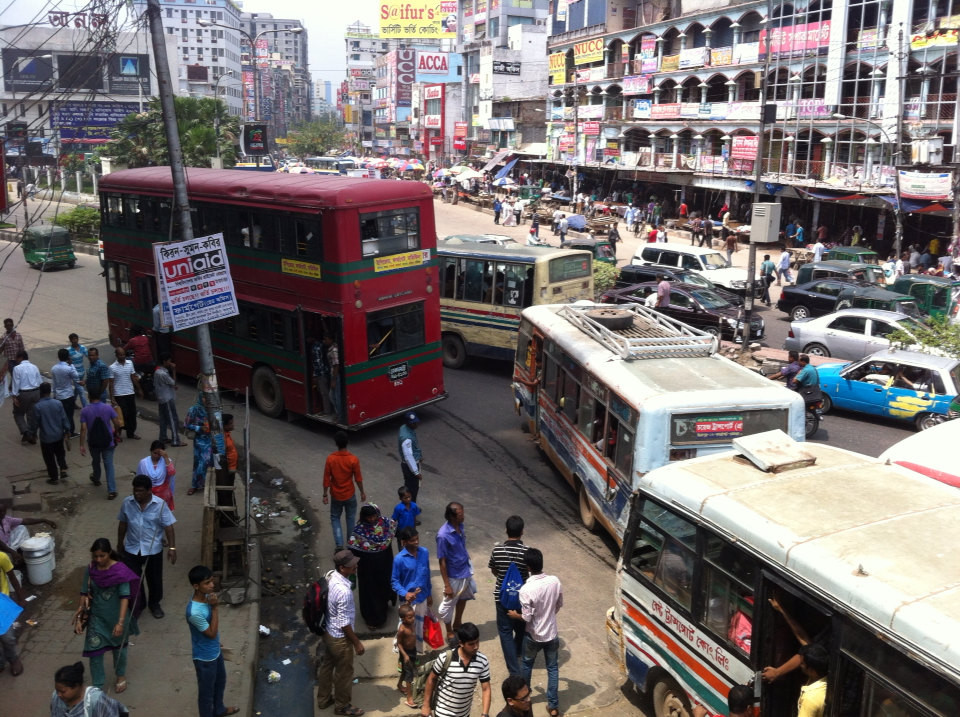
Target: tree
312,139
139,139
605,277
937,334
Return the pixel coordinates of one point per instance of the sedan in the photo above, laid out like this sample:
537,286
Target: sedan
814,298
901,385
848,333
698,307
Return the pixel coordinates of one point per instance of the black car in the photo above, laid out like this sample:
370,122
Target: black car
814,298
638,274
695,306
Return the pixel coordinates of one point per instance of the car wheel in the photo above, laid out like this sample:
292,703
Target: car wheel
712,330
613,319
927,420
454,352
816,350
826,404
71,264
799,312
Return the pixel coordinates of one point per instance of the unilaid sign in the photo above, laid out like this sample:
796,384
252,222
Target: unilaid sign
194,277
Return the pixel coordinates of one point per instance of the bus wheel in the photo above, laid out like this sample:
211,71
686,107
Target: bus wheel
613,319
587,517
669,700
454,352
266,391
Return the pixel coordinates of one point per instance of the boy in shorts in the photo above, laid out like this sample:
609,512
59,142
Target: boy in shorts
407,645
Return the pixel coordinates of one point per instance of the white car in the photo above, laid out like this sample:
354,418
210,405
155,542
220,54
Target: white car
709,262
498,239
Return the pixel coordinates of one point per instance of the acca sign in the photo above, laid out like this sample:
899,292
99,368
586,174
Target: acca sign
433,63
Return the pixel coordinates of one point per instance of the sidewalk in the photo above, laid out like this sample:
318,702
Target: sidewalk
160,675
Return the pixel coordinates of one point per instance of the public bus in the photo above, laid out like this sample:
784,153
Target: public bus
484,287
611,392
722,552
255,164
330,165
311,257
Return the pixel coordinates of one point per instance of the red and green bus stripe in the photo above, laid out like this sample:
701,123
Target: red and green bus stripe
360,372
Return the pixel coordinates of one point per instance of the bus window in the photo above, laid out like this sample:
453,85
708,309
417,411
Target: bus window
623,450
118,278
393,330
515,290
474,279
309,245
130,212
391,232
114,212
587,415
663,552
550,382
730,579
448,275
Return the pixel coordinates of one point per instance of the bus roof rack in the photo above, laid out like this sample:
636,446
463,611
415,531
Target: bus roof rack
637,332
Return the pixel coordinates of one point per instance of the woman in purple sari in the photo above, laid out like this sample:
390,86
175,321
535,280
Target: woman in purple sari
107,597
372,542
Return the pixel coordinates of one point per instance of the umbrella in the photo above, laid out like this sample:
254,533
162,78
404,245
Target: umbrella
459,168
503,182
469,174
441,173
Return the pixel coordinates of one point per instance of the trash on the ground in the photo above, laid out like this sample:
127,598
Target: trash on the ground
274,515
277,482
356,680
299,521
29,598
273,676
32,623
286,662
264,630
255,501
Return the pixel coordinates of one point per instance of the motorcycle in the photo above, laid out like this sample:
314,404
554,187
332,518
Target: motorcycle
812,402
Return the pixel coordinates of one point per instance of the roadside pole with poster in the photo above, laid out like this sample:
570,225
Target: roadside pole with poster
194,279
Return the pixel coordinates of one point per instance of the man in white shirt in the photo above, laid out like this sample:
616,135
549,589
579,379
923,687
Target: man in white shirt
898,267
783,268
540,599
563,225
124,389
340,642
818,250
25,389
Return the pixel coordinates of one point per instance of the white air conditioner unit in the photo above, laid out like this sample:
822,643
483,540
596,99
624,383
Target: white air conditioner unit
765,223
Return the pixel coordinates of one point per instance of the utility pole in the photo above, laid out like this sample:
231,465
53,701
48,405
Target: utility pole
208,375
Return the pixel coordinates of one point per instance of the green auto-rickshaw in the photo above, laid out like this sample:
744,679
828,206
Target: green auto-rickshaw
935,295
860,254
48,246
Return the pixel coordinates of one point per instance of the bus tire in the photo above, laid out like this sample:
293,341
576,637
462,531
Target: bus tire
669,700
613,319
267,394
587,517
454,352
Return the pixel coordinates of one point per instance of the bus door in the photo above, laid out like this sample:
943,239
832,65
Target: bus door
529,367
323,342
785,618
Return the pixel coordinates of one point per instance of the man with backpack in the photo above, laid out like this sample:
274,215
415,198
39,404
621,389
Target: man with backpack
506,559
454,676
98,428
340,642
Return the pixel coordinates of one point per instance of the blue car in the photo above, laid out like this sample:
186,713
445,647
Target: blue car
902,385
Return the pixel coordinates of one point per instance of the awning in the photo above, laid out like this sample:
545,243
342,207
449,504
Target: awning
920,206
535,149
834,196
503,172
497,159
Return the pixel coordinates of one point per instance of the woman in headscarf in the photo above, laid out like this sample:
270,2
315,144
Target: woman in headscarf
106,599
371,541
158,467
70,699
198,421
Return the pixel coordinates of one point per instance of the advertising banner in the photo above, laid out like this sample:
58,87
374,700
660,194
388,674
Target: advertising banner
721,56
933,186
501,67
743,111
406,75
641,109
433,63
648,46
23,71
669,110
637,85
797,39
649,65
814,107
89,120
591,128
867,39
480,16
128,74
434,92
938,38
194,276
432,121
403,261
690,110
746,53
590,112
670,63
694,57
459,129
253,139
744,147
419,18
588,51
558,68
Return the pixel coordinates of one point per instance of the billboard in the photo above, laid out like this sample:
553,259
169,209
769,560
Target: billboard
253,139
128,74
406,73
195,277
80,72
433,63
558,67
418,18
588,51
89,120
745,147
24,72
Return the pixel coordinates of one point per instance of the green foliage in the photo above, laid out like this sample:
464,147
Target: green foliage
605,277
313,139
938,334
81,221
139,139
73,162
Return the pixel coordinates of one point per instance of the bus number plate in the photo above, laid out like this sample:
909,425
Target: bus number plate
398,371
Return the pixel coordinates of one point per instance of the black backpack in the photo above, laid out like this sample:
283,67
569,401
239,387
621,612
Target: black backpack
315,605
100,436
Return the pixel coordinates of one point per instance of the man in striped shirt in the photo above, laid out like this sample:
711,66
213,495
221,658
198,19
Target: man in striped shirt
512,550
335,672
459,681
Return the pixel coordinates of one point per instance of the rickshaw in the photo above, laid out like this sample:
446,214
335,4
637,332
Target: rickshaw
935,295
859,254
873,297
600,248
47,246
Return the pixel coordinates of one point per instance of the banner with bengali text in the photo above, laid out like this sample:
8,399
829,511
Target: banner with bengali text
418,18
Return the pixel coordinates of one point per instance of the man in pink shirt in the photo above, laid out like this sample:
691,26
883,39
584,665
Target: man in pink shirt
540,599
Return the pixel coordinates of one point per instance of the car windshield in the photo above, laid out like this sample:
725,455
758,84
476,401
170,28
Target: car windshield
606,251
709,299
713,260
696,280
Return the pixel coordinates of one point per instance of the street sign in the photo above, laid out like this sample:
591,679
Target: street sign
194,276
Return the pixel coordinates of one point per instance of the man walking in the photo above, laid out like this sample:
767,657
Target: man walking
541,597
78,354
144,521
497,206
339,474
25,389
455,568
768,271
165,384
562,227
340,642
65,381
12,344
510,552
53,429
516,693
462,669
99,378
203,618
101,440
410,454
707,231
783,268
124,388
410,579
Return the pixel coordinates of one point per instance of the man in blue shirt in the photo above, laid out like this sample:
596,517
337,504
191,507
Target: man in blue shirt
807,376
65,380
203,618
455,569
144,520
78,354
410,578
99,377
52,427
790,371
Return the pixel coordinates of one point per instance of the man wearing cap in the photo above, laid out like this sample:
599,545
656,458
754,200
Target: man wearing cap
340,642
410,454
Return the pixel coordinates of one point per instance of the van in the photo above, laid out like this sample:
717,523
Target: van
48,246
709,262
841,270
873,297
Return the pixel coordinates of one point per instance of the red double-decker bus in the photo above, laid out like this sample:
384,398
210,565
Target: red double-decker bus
335,279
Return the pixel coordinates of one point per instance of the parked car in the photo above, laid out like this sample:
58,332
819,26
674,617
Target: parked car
866,273
859,254
873,297
901,385
695,306
848,333
709,262
498,239
935,295
638,274
601,249
814,298
47,246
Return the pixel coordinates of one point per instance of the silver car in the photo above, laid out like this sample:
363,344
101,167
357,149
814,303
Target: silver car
848,333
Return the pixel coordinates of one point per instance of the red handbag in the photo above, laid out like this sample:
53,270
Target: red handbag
432,632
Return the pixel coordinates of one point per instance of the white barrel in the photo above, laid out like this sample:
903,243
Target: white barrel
38,554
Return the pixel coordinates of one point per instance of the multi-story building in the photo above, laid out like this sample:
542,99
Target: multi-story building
667,97
284,75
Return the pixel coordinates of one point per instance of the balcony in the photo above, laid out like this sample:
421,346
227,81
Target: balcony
613,113
615,70
566,37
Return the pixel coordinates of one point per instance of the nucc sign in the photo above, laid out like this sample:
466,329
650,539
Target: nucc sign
433,63
588,51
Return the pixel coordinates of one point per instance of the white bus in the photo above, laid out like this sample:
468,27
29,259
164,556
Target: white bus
722,553
609,404
330,165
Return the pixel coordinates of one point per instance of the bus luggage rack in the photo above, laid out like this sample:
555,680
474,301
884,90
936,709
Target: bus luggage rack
645,334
